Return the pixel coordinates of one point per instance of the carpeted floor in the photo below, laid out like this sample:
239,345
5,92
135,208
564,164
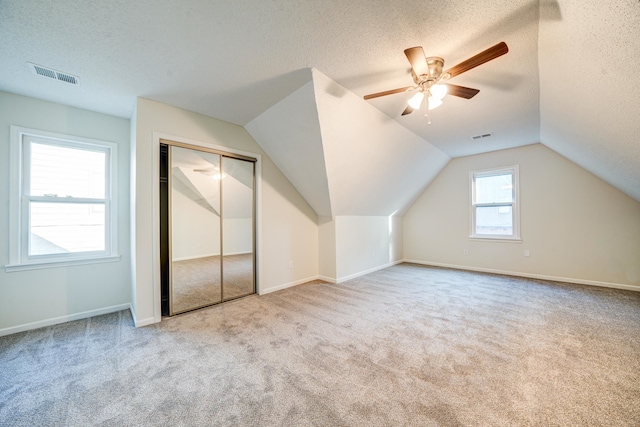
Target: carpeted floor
196,282
405,346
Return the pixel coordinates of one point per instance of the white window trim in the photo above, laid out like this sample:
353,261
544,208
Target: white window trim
515,171
17,239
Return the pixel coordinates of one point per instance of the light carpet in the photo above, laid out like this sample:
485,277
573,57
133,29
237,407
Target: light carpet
196,282
404,346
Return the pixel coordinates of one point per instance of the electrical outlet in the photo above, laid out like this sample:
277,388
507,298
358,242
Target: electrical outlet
465,252
526,252
290,264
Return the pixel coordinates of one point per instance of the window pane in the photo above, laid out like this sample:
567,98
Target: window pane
494,189
65,171
494,220
57,228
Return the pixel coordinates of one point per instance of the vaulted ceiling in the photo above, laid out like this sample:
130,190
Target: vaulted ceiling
568,81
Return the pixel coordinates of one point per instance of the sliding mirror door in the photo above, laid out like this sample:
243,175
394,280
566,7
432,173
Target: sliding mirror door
207,227
237,227
196,279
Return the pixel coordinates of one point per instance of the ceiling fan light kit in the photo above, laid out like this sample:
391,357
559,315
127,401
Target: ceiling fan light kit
434,102
429,78
438,91
416,100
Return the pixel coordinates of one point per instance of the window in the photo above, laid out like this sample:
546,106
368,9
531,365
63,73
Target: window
494,204
63,200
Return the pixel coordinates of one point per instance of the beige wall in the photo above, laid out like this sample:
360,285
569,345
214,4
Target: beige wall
327,248
34,298
575,225
287,229
351,246
364,244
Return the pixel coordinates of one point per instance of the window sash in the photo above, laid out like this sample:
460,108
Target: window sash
513,204
28,232
28,254
21,202
486,205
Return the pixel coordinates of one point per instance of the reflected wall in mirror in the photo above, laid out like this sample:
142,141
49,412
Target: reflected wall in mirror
196,279
237,227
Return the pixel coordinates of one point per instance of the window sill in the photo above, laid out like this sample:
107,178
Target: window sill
53,264
496,239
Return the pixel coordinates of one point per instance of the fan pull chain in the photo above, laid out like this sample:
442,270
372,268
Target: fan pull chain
426,108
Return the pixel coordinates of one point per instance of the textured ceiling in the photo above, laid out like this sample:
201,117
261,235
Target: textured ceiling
234,59
590,89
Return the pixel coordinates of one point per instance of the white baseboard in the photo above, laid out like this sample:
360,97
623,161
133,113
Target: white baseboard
237,253
529,275
63,319
371,270
287,285
188,258
142,322
326,279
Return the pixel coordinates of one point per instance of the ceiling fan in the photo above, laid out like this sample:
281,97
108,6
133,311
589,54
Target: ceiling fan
429,78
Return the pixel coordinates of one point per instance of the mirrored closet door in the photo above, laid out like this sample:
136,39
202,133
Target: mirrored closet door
208,217
237,228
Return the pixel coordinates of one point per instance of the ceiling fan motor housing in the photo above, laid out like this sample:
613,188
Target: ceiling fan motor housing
435,65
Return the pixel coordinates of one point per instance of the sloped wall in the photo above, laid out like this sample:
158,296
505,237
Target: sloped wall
345,157
589,113
374,166
289,132
576,226
356,167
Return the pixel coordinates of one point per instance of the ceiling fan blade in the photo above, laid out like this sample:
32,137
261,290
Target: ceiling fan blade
407,110
461,91
388,92
416,58
479,59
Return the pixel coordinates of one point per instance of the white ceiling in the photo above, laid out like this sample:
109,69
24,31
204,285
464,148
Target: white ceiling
569,80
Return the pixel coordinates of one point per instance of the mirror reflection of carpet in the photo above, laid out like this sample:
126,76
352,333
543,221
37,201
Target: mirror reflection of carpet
196,282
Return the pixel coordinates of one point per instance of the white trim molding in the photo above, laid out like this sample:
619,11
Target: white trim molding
362,273
21,197
144,322
55,264
635,288
514,204
331,280
289,285
64,319
189,258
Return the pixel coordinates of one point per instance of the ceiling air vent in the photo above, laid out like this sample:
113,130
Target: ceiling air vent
484,135
53,74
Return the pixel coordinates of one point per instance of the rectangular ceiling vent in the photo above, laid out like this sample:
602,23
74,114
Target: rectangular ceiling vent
484,135
54,74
